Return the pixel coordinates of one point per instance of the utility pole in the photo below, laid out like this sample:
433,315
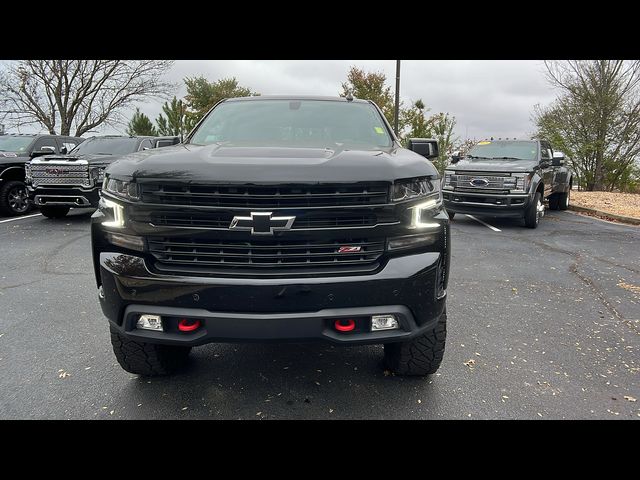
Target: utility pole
396,112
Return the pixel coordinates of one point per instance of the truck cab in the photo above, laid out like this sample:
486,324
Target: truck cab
507,178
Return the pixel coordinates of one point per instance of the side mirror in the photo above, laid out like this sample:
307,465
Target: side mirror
40,153
426,147
63,150
558,159
455,156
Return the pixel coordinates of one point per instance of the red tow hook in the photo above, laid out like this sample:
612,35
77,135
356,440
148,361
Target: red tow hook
344,325
188,325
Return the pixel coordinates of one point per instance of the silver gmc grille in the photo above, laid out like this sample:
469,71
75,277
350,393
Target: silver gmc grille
60,173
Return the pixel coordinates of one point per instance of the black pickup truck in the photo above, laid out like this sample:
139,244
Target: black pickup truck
57,183
16,150
277,219
507,178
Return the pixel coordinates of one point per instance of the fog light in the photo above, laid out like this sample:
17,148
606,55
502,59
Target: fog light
383,322
150,322
131,242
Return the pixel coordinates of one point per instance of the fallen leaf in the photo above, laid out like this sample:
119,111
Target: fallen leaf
139,404
331,410
63,374
258,414
318,383
419,401
539,414
111,412
470,363
87,368
630,398
477,354
184,408
514,290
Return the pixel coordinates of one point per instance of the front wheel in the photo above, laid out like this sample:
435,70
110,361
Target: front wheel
421,355
14,199
54,212
534,212
148,359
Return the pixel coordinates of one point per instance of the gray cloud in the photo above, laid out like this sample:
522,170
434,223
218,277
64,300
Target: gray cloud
488,98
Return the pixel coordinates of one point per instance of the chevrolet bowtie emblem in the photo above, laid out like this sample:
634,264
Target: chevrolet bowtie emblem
261,223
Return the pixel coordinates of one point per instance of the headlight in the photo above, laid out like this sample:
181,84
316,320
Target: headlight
122,189
27,173
117,213
97,174
518,182
413,188
446,181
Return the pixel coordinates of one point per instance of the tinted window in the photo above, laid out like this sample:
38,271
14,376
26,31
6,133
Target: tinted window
46,143
107,146
521,150
295,123
9,143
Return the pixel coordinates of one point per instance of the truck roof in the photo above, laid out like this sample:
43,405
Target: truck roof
295,97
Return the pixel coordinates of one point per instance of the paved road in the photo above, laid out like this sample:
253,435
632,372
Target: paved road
549,318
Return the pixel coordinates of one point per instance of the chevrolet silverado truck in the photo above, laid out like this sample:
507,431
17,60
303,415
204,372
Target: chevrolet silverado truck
16,150
277,219
57,183
507,178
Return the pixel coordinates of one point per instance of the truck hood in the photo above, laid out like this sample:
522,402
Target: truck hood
238,164
10,158
482,165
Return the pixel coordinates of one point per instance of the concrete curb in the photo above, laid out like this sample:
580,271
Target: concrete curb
620,218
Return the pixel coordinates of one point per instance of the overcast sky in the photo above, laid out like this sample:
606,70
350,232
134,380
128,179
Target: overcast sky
488,98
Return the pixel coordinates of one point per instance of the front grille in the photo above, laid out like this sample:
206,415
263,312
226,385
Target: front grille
464,181
60,174
222,220
176,254
268,196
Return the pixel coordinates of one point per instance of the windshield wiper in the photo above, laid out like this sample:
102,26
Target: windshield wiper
506,158
474,156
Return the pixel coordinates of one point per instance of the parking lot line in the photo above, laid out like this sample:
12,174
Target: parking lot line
484,223
20,218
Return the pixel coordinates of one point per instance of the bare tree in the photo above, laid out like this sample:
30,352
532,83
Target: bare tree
596,118
78,95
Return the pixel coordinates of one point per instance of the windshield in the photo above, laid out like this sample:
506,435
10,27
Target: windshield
9,143
512,150
106,146
295,123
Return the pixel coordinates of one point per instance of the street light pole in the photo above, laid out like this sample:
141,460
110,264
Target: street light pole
397,109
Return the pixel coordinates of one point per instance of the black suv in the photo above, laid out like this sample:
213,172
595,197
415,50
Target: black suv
59,183
278,218
508,178
15,152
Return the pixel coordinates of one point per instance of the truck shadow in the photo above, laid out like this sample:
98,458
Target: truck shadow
285,381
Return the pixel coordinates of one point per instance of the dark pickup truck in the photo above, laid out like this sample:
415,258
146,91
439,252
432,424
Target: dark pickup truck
277,219
507,178
57,183
16,150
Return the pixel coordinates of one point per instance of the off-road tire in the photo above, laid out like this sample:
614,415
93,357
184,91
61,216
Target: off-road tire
54,212
563,200
6,191
147,359
420,356
531,217
554,201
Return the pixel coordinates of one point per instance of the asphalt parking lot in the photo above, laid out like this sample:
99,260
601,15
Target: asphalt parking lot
543,324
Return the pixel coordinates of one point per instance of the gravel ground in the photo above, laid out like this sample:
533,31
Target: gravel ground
627,204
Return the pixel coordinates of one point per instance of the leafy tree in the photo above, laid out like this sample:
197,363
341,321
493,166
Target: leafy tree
76,96
140,124
414,119
202,95
440,126
173,123
372,86
595,119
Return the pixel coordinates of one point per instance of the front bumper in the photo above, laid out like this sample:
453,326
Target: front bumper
75,197
486,204
294,309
